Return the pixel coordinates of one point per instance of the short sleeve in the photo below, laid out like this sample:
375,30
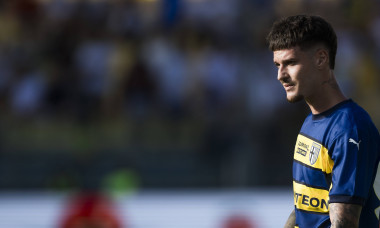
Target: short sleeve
353,170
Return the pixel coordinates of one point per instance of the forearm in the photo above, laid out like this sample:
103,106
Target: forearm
291,222
344,215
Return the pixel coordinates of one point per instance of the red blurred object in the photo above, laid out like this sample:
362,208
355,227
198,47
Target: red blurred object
238,221
90,210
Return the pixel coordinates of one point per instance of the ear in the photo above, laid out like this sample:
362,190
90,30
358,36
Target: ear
321,58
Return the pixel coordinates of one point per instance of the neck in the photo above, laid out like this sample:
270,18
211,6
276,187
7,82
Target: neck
327,97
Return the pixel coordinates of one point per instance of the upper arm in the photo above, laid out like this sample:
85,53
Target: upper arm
344,215
353,169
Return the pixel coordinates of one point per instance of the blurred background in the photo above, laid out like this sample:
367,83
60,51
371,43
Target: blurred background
167,113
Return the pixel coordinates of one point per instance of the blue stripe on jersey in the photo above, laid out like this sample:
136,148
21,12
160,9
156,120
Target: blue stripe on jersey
309,176
306,219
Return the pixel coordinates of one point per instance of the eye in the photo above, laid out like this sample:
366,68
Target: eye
292,63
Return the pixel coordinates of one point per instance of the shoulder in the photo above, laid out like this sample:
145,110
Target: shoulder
351,124
350,117
346,119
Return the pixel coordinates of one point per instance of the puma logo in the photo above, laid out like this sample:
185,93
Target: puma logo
354,142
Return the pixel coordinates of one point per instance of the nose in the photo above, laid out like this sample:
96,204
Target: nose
281,73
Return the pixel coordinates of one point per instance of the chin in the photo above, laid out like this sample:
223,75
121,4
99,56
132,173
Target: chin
294,99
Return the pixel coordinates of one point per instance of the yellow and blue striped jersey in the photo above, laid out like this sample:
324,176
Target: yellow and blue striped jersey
336,159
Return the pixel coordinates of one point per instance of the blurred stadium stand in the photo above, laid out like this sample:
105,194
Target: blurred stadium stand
135,95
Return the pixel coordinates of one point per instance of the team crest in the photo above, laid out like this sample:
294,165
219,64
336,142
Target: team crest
314,152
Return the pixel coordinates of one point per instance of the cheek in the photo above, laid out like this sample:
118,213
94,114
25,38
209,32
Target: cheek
307,82
297,74
303,79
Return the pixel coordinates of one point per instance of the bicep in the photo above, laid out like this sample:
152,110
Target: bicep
344,215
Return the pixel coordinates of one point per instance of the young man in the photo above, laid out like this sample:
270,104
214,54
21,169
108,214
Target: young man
336,155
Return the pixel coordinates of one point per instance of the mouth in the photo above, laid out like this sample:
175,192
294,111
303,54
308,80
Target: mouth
288,86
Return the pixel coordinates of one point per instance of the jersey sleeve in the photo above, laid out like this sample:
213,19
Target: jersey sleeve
353,170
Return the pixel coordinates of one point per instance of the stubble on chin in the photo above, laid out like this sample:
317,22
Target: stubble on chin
294,99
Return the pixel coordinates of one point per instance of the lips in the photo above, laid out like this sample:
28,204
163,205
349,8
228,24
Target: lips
288,86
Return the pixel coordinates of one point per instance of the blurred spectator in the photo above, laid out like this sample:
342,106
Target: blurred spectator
220,77
140,89
27,92
92,61
168,62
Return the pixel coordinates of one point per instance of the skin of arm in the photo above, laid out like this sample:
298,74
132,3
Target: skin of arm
291,222
344,215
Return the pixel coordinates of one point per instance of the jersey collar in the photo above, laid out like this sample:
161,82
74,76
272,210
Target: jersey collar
331,110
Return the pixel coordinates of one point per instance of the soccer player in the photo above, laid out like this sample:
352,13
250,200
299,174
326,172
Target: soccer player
336,156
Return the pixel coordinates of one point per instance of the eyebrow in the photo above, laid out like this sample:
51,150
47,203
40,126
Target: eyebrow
286,61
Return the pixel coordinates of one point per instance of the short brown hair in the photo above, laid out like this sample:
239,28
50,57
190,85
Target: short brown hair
303,31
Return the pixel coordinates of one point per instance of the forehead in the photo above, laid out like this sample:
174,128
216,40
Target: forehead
286,54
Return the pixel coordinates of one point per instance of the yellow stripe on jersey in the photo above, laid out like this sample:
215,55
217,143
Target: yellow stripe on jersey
313,154
310,199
